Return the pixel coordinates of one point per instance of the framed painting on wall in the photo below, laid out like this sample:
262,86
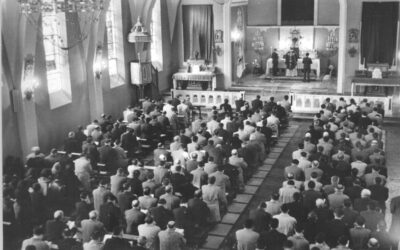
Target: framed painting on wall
218,36
353,35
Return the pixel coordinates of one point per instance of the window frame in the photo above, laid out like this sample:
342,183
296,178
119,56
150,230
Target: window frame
54,39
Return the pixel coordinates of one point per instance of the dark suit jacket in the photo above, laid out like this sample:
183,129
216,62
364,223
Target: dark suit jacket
271,240
256,104
161,216
54,230
110,216
72,145
379,193
334,229
116,243
183,218
353,192
136,186
82,210
199,209
260,218
307,63
350,216
133,218
109,156
360,204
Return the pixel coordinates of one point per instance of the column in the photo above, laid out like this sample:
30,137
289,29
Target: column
279,14
227,45
342,46
315,13
95,88
26,111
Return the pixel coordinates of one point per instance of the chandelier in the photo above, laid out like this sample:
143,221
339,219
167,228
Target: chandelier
332,41
51,6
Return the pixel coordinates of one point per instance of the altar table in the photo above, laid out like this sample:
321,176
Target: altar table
195,77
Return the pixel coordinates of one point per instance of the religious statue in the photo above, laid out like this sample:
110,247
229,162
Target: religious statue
291,63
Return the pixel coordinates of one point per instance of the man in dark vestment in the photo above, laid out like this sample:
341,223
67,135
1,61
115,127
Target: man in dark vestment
291,63
307,67
275,61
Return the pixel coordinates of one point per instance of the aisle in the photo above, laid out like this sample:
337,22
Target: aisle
263,183
393,164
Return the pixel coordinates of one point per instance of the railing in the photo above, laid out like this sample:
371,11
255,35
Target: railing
209,98
311,103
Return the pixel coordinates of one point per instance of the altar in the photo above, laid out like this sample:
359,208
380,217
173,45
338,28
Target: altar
281,65
182,80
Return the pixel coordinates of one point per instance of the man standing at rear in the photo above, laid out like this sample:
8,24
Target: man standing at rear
307,67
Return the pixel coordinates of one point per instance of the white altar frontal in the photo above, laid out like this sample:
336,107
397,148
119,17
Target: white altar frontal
315,66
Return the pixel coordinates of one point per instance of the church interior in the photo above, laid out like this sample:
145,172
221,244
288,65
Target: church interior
200,124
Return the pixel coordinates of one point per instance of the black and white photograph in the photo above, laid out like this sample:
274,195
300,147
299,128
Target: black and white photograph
200,124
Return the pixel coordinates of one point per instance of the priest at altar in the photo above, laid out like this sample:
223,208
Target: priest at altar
315,66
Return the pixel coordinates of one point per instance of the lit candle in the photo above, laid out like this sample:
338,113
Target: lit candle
271,50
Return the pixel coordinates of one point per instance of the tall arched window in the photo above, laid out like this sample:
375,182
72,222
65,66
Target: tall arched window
156,36
115,44
57,66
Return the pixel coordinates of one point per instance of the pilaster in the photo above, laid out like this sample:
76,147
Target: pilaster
227,45
341,78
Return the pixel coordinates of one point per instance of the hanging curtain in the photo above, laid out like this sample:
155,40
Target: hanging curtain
198,31
299,12
379,32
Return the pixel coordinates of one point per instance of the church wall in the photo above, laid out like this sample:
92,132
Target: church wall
262,12
328,12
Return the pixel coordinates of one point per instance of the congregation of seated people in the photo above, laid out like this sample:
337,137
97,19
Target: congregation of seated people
334,194
157,178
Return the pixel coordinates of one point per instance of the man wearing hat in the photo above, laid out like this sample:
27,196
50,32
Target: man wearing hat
170,239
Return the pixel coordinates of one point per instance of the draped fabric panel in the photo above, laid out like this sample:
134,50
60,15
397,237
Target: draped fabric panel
379,32
172,6
198,31
298,12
